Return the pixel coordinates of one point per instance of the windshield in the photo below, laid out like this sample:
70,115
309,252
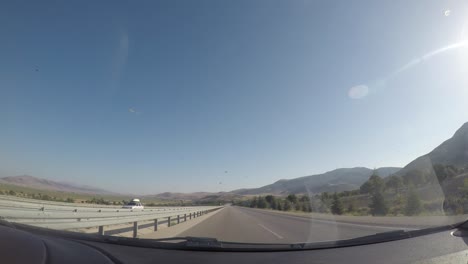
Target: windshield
247,121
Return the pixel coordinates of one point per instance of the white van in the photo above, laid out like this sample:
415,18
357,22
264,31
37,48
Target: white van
134,204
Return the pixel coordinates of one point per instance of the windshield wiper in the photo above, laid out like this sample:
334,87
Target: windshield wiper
189,241
213,244
376,238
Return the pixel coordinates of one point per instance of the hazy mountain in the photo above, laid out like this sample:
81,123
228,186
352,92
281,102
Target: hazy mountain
453,151
196,196
180,196
43,184
333,181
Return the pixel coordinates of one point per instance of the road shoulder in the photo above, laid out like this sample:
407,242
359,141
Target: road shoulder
179,228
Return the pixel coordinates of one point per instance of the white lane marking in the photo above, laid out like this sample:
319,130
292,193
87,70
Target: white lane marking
362,225
271,231
333,222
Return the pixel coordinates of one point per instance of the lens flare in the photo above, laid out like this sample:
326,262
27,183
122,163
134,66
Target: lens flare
361,91
358,91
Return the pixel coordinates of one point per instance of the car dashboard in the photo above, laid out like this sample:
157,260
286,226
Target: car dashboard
22,244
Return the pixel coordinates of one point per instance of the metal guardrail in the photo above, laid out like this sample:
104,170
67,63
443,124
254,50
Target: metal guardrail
25,203
67,216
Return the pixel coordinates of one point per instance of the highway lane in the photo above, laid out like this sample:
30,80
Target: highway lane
238,224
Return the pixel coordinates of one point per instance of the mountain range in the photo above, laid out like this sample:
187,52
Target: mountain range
453,151
338,180
44,184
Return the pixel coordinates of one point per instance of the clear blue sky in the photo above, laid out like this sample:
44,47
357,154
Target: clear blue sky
152,96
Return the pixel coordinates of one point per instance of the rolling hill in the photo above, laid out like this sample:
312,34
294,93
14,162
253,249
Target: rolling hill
333,181
49,185
196,196
453,151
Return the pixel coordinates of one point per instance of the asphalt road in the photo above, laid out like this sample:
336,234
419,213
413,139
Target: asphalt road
238,224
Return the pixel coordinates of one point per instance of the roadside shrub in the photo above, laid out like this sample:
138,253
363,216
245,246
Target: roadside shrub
378,205
413,204
362,211
432,207
337,206
297,207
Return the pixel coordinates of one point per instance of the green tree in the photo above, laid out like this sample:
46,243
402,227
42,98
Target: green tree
297,206
324,196
253,204
373,185
11,192
261,202
287,205
444,172
439,170
271,200
365,187
279,206
292,198
378,206
350,208
306,207
337,206
314,205
394,182
413,203
274,204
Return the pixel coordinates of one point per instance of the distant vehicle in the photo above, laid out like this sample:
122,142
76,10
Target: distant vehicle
134,204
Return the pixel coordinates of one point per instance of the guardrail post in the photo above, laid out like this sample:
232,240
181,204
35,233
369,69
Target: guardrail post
190,216
101,230
185,217
178,219
155,225
135,229
169,221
